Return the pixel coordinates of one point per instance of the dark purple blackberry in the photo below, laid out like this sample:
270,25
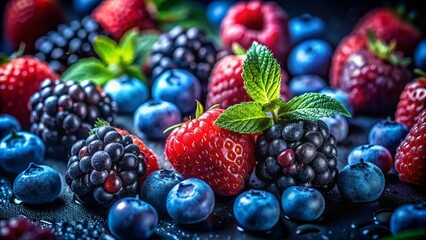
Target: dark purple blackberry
70,42
297,153
105,167
88,230
64,112
185,49
22,228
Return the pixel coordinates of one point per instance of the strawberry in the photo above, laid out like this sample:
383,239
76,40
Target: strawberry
410,158
118,17
27,20
222,158
19,80
411,102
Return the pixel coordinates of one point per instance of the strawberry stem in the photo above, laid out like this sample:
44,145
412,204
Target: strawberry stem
274,116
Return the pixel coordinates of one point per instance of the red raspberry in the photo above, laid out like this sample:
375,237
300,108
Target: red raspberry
410,158
412,102
264,22
21,228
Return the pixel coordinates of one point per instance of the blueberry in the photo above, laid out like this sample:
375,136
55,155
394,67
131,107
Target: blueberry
179,87
7,124
362,182
38,184
190,201
387,133
129,93
306,83
256,210
84,7
157,185
305,27
338,126
216,11
375,154
408,217
302,203
310,57
131,218
420,55
19,149
155,116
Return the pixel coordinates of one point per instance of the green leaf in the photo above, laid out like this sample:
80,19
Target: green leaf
408,235
128,47
107,50
262,74
144,47
238,49
136,72
310,106
88,69
199,110
273,105
246,117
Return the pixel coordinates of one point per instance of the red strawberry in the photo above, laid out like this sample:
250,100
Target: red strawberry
387,26
264,22
118,17
27,20
19,80
410,158
222,158
226,85
374,78
412,102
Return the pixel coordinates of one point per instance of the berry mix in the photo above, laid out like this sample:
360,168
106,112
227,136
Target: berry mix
245,109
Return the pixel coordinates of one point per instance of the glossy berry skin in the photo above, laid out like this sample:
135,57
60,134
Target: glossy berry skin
420,55
310,57
256,210
131,218
410,158
38,184
155,116
302,203
388,134
157,186
18,150
179,87
264,22
375,154
22,228
360,183
411,102
224,165
190,201
129,93
340,96
305,27
216,11
83,7
8,124
338,126
408,217
306,83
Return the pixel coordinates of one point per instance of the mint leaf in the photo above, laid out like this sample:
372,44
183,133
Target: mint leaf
136,72
262,74
310,106
144,47
88,69
128,47
107,50
273,105
246,117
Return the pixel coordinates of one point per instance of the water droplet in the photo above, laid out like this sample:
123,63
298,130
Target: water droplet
46,222
240,229
307,228
323,237
382,216
375,231
16,201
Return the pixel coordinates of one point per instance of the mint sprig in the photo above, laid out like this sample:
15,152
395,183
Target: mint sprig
262,81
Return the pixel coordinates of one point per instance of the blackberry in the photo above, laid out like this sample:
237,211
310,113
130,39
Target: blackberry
63,112
22,228
105,167
70,42
88,230
184,49
297,153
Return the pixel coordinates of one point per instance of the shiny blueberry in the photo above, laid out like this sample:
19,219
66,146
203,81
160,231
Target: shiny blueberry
387,133
340,96
38,184
305,27
19,149
129,93
338,126
306,83
375,154
302,203
216,11
362,182
179,87
257,210
131,218
190,201
156,187
84,7
408,217
420,55
155,116
8,124
310,57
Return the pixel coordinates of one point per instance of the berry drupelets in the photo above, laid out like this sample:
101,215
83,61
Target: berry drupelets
22,228
412,102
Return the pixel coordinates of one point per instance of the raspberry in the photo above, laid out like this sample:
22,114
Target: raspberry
297,153
22,228
410,158
411,102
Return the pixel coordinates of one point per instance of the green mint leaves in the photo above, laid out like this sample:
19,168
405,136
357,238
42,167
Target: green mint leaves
262,81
